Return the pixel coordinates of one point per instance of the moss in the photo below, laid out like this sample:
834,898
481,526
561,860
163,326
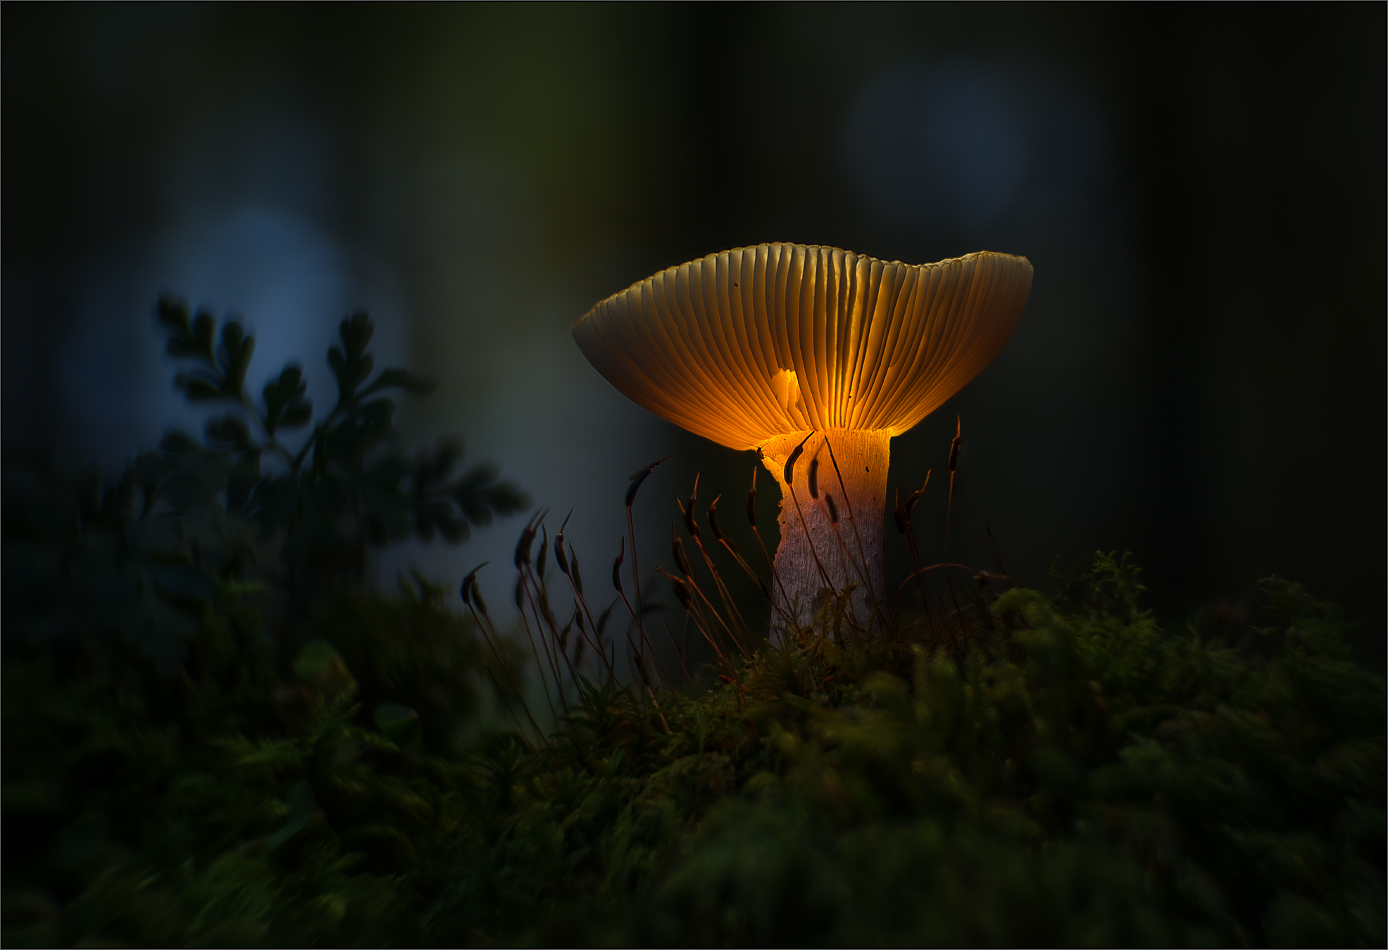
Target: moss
1078,775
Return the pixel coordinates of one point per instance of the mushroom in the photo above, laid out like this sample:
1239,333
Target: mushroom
814,357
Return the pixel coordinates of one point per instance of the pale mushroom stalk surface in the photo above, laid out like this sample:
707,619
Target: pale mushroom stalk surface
784,346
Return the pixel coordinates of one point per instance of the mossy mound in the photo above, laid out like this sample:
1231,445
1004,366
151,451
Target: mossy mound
1073,773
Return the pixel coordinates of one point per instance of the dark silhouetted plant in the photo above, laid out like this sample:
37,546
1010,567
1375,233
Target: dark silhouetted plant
349,485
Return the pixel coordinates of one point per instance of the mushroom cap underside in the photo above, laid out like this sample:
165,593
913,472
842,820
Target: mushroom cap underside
759,341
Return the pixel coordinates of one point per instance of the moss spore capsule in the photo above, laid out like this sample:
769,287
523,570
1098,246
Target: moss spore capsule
677,548
617,565
559,557
713,526
752,499
640,477
527,538
789,470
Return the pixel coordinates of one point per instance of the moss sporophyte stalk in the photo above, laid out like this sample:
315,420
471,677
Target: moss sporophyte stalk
812,357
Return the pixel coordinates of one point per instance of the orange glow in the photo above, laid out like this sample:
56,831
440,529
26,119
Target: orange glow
761,341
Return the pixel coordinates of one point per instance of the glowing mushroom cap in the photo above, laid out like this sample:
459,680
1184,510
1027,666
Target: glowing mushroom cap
757,342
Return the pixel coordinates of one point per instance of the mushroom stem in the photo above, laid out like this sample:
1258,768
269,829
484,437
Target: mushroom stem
862,456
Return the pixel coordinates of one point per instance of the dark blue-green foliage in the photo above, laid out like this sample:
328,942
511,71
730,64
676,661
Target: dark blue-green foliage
348,484
240,510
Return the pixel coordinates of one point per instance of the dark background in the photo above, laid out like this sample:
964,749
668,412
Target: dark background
1199,377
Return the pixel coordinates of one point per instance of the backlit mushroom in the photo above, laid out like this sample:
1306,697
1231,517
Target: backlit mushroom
782,347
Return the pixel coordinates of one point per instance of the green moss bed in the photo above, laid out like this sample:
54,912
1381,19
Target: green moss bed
1074,774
